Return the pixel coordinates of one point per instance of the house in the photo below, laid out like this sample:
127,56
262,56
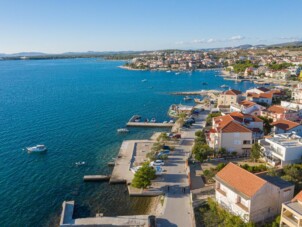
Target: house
254,198
293,106
282,149
291,212
229,134
251,122
277,112
265,98
247,107
286,126
297,93
229,97
258,90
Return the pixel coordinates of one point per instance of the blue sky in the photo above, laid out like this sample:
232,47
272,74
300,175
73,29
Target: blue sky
56,26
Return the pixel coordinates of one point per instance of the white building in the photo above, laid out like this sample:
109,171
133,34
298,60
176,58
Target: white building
251,197
293,106
247,107
282,149
297,93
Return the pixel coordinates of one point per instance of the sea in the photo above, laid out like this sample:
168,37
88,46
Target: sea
74,107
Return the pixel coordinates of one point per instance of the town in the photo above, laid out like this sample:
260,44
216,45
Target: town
234,156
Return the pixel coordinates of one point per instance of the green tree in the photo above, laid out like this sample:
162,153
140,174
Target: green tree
201,151
143,176
163,137
256,151
267,127
157,146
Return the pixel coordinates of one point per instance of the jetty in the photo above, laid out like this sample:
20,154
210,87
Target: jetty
100,220
202,92
96,178
133,123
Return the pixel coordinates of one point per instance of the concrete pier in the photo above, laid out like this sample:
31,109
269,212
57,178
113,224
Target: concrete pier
67,219
149,124
96,178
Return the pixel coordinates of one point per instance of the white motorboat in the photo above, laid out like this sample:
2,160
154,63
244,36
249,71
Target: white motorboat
177,73
37,148
153,120
224,86
122,130
187,98
80,163
168,71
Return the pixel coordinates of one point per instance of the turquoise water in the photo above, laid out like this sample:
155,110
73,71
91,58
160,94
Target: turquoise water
74,107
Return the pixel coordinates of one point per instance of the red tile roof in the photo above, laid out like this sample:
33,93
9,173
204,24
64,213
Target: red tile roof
285,124
234,126
238,116
276,109
247,103
232,92
240,179
298,197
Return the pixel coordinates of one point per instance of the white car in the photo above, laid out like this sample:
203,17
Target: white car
157,163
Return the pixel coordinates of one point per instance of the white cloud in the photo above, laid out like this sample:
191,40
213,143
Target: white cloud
236,38
179,42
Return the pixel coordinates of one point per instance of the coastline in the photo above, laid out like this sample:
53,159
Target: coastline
162,70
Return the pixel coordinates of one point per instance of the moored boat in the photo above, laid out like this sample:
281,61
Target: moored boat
187,98
37,149
224,86
122,130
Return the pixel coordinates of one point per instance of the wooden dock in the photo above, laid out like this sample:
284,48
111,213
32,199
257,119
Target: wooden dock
149,124
96,178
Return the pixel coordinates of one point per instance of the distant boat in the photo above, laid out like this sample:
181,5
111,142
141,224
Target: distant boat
122,130
224,86
36,149
187,98
168,71
80,163
176,73
153,120
144,80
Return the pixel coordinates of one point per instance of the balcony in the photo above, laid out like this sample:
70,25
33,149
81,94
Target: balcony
221,191
243,207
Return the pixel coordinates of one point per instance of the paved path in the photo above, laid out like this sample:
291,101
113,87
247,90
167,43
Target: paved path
178,209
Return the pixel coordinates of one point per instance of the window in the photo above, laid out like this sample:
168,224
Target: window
246,142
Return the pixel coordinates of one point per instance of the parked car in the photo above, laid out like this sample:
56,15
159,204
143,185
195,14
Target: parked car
165,147
177,136
157,163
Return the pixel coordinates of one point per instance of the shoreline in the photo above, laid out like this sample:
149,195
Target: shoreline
172,70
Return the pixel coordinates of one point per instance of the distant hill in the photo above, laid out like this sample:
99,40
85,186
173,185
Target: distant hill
288,44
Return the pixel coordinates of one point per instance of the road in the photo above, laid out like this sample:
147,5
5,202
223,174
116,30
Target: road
178,209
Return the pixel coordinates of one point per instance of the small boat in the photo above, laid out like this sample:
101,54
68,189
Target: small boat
122,130
187,98
224,86
204,83
144,80
168,71
153,120
176,73
80,163
171,121
37,149
165,122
